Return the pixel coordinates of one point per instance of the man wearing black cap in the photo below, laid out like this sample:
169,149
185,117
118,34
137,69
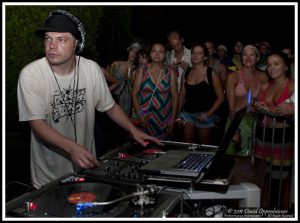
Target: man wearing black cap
58,95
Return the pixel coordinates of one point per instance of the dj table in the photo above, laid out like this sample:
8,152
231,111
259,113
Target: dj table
240,186
118,188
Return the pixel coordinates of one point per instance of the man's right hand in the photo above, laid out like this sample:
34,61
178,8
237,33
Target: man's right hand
79,154
83,158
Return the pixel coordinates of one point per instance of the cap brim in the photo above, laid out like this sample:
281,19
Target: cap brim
58,23
41,32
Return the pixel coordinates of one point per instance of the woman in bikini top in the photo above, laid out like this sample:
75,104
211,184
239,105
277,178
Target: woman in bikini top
248,78
279,89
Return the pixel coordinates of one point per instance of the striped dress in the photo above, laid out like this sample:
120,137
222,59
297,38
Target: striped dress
157,101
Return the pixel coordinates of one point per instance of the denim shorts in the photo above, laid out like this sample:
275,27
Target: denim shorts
193,118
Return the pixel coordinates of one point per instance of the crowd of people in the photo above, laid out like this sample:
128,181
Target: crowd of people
78,110
212,85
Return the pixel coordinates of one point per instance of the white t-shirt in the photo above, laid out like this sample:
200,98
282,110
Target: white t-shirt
186,58
42,96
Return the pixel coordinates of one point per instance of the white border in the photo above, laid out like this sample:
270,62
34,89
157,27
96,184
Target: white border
147,4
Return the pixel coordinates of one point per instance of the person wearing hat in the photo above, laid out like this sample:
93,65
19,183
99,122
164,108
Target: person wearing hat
264,51
123,71
222,52
57,95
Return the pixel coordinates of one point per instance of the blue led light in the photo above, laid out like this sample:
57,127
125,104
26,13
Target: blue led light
82,209
84,205
249,100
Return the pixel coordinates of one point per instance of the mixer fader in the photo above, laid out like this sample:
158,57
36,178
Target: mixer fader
118,169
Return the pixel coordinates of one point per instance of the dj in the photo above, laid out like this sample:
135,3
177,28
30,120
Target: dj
58,95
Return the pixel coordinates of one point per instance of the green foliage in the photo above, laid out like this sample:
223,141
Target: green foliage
22,47
107,36
114,34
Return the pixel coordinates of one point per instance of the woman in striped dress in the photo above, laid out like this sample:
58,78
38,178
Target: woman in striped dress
154,94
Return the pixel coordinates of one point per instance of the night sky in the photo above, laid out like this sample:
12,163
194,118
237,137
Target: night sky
221,24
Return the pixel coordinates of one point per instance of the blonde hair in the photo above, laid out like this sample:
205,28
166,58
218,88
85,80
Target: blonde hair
251,47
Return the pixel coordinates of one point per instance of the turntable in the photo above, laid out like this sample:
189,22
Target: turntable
82,196
65,200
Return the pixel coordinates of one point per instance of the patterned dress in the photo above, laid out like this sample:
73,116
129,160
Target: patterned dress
157,101
122,93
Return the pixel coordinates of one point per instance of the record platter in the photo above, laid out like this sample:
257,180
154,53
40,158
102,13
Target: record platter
65,200
84,197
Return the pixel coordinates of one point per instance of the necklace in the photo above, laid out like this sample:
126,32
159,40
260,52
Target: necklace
178,56
281,83
156,80
70,106
146,110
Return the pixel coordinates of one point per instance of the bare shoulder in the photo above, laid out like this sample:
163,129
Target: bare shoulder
261,73
263,76
233,75
264,86
104,70
117,63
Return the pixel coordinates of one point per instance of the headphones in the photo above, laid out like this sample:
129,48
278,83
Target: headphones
80,44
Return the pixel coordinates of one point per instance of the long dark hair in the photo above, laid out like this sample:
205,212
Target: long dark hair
286,61
204,47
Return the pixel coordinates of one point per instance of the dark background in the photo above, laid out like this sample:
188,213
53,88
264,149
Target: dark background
222,24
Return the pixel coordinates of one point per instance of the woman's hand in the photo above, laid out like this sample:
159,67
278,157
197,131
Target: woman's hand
170,128
285,109
143,121
180,122
203,117
261,106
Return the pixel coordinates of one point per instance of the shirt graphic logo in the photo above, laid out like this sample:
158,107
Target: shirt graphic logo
64,104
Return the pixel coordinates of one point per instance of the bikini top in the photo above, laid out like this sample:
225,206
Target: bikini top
284,95
241,90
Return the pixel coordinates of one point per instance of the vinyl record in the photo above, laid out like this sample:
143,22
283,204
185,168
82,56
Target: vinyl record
62,200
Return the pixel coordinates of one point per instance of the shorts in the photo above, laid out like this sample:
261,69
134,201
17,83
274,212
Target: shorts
193,118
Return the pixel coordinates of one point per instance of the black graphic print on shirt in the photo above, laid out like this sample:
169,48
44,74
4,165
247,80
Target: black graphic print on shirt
64,105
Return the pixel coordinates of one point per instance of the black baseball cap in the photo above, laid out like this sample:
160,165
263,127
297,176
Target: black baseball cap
58,23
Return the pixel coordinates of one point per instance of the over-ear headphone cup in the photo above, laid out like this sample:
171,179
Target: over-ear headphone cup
80,44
